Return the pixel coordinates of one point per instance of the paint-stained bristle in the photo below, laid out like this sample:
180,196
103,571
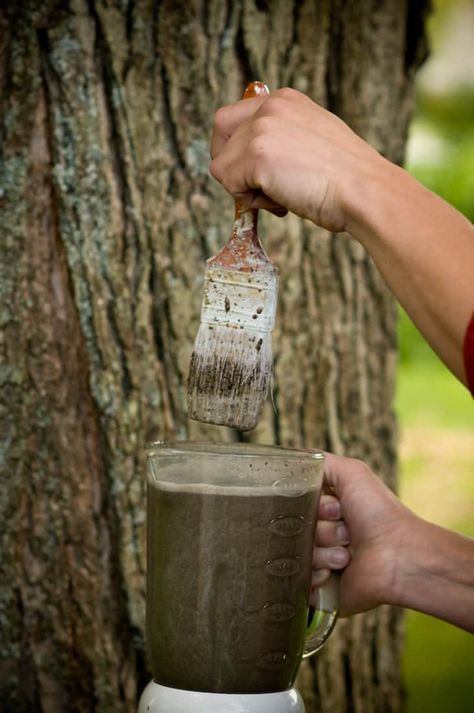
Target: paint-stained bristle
232,359
229,374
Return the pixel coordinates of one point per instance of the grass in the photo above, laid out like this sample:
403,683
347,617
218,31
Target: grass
429,394
438,667
436,416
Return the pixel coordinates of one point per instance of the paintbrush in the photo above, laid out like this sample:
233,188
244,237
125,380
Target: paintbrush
231,363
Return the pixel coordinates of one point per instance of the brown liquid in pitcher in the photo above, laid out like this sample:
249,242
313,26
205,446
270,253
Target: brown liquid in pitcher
228,580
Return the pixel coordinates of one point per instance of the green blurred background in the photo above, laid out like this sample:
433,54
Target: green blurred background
436,413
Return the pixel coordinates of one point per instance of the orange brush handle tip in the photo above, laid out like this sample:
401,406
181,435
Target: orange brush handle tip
255,89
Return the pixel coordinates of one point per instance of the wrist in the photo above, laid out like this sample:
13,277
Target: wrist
409,562
373,199
434,574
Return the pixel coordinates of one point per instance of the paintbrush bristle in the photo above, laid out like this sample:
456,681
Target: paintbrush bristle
231,364
229,375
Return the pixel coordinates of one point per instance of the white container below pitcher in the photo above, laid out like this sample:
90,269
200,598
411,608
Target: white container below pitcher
161,699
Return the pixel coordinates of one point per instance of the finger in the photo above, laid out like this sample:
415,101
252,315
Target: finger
319,577
329,508
231,173
227,119
331,533
262,202
330,557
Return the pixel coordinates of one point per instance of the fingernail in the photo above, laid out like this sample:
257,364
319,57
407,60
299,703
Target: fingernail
338,557
342,533
332,509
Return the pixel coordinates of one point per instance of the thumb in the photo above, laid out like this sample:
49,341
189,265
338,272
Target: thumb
340,472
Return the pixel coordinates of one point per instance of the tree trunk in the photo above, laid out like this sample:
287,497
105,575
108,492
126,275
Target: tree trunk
107,216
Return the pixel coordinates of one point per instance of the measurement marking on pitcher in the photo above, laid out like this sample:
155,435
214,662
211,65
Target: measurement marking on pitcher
287,525
284,566
279,611
274,661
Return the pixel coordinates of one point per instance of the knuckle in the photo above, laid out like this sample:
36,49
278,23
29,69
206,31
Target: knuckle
286,93
257,147
220,119
274,106
215,169
360,466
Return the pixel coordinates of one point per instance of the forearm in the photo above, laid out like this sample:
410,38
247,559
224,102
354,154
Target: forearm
435,575
424,249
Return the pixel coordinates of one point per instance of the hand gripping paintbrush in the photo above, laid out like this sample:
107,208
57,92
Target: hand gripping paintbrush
231,364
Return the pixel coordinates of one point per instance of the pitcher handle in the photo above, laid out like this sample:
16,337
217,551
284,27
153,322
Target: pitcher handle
324,616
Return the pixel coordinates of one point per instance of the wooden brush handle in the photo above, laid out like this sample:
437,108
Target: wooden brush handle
244,252
254,89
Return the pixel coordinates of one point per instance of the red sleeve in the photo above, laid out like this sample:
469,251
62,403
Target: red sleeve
469,355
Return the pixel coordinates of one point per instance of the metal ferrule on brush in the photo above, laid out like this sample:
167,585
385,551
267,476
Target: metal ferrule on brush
232,359
242,300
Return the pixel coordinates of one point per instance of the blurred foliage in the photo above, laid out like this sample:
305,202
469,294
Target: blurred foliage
450,118
438,667
450,115
429,394
411,345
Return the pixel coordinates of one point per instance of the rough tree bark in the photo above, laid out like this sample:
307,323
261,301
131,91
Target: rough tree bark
107,215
